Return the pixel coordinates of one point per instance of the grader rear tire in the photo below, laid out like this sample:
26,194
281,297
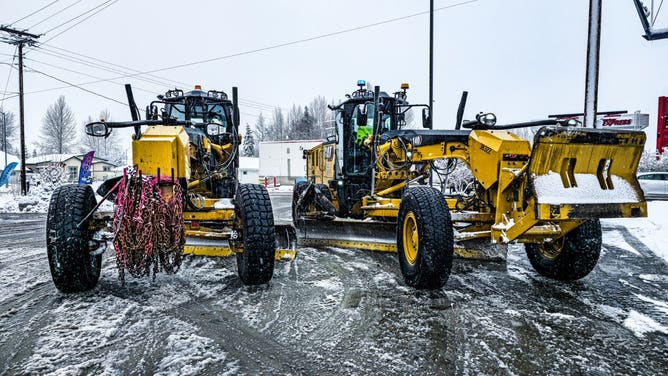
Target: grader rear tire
73,268
296,192
256,263
424,238
570,257
320,204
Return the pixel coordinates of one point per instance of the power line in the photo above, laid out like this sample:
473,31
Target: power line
95,66
299,41
163,81
84,74
249,103
90,10
37,11
90,91
243,102
656,15
75,17
304,40
55,14
4,93
76,86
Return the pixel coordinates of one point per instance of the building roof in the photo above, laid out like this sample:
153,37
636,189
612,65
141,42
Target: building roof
51,158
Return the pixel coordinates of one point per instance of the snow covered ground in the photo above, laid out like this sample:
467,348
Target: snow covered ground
652,231
338,311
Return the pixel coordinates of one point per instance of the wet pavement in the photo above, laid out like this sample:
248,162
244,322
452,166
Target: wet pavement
334,311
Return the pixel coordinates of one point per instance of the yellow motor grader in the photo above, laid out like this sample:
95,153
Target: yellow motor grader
182,195
368,186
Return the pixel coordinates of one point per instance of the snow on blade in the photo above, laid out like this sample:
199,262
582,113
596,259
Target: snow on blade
550,190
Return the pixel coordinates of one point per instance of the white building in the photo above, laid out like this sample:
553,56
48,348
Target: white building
249,170
101,169
284,159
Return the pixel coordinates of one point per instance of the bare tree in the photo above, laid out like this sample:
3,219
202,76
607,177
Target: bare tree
7,130
293,120
321,115
89,142
278,126
262,129
107,148
58,128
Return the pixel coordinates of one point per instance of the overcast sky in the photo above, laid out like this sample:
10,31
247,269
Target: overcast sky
522,59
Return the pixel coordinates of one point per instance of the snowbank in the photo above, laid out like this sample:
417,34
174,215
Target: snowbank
652,231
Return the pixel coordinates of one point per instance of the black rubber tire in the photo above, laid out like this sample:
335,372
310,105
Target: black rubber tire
577,257
432,262
73,269
324,202
255,264
296,192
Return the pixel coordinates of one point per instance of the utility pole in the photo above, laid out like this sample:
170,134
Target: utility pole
4,133
431,63
593,55
431,72
21,38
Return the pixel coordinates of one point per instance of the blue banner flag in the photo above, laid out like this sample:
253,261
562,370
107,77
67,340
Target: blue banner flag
86,164
4,178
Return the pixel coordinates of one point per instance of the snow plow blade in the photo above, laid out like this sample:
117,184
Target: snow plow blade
218,245
379,236
586,173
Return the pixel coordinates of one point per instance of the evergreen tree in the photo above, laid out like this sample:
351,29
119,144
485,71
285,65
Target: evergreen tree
248,146
305,126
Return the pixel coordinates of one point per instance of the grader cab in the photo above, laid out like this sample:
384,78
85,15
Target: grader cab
181,195
368,187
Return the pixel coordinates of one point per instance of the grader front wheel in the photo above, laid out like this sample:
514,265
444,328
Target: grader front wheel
256,263
570,257
68,246
424,238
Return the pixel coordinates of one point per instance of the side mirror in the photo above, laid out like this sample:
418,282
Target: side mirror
426,118
98,129
332,138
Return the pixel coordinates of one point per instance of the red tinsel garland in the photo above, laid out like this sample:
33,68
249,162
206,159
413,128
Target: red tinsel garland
149,229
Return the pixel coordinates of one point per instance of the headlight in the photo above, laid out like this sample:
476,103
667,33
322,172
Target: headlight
213,129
